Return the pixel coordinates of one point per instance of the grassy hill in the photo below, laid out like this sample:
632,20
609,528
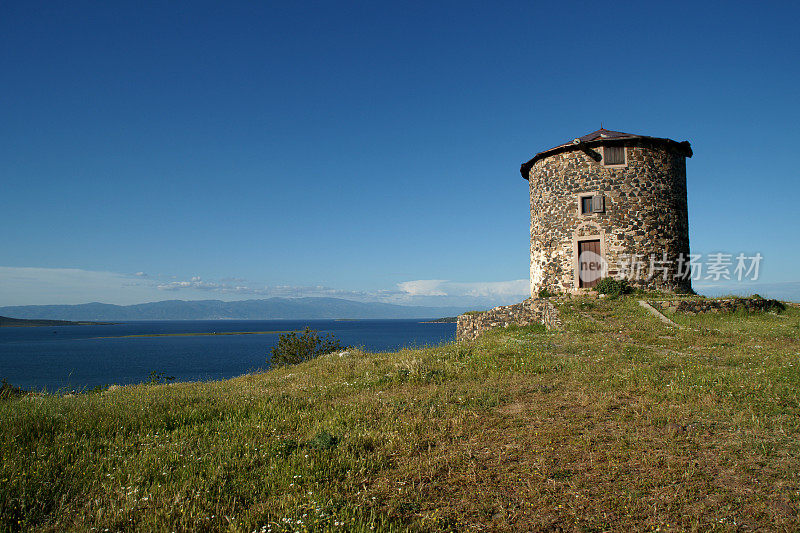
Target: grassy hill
619,422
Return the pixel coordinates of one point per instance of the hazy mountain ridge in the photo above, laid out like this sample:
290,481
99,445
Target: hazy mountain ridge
265,309
23,322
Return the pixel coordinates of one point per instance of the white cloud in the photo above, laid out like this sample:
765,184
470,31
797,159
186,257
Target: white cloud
477,294
515,288
196,282
238,286
423,287
478,289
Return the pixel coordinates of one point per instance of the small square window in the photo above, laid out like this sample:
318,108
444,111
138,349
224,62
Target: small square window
614,155
586,205
589,204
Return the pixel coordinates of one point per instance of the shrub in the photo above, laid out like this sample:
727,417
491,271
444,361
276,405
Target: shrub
544,293
613,287
8,391
767,304
293,348
158,378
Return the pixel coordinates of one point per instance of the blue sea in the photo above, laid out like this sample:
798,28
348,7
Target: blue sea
66,358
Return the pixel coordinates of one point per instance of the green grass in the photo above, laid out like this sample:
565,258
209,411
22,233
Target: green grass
619,422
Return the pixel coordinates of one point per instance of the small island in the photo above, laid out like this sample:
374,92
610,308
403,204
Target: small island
6,322
453,319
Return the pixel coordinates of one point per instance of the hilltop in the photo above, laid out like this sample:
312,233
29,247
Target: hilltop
617,422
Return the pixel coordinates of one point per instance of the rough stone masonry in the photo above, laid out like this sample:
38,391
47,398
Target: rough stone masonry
637,208
531,311
621,197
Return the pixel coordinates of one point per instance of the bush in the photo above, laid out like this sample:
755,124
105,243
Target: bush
293,348
545,293
613,287
158,378
8,391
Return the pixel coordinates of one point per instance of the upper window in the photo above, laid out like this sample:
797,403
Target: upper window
586,205
613,155
592,204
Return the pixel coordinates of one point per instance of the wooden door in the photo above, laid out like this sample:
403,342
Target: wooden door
590,264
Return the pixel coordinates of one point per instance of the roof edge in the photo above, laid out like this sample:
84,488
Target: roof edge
684,148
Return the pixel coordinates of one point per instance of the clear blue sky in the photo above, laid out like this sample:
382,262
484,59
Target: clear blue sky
351,148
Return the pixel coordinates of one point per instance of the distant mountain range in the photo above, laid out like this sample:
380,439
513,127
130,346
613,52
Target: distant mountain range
267,309
22,322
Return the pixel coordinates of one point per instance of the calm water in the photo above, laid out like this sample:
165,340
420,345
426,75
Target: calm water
73,357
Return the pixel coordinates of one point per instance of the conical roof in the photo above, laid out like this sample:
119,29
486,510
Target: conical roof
603,136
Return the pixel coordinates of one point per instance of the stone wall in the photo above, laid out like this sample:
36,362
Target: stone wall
531,311
702,305
645,213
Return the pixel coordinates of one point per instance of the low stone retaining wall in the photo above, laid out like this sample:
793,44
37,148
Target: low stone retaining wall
702,305
531,311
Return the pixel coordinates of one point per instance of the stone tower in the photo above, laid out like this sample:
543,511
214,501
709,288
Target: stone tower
609,204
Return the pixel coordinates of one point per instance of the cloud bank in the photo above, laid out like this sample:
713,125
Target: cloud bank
486,293
32,285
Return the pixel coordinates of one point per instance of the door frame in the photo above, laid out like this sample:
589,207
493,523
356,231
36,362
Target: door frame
576,272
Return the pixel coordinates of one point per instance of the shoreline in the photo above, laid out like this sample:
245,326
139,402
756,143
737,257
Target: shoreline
215,333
